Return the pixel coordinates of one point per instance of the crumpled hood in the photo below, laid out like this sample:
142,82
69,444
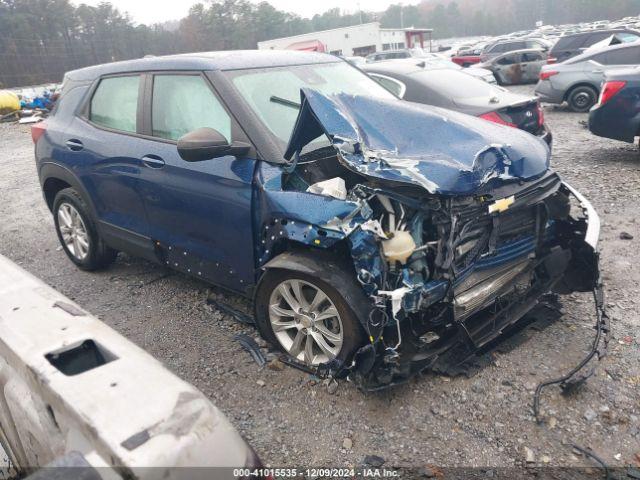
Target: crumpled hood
443,151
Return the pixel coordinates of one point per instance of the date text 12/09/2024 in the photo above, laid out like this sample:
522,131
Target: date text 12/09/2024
315,473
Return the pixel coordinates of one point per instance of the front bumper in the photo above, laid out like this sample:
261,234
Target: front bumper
592,234
496,301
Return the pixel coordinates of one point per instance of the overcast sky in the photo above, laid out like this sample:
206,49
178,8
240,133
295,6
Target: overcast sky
153,11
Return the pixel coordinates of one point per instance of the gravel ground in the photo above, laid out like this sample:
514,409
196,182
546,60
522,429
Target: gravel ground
293,419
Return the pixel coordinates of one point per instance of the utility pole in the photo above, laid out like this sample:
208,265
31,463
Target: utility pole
360,12
401,16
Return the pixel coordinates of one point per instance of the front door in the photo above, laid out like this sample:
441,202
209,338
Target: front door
531,64
199,213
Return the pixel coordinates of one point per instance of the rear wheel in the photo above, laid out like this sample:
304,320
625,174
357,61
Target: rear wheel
306,318
77,232
582,98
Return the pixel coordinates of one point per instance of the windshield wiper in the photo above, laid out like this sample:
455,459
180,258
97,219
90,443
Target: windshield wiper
285,102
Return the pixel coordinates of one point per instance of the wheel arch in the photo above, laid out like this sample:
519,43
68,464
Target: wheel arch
580,84
329,266
54,177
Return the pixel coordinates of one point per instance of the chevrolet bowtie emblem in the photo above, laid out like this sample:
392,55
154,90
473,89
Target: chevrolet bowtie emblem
502,204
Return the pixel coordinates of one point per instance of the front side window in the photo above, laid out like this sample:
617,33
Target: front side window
115,103
183,103
506,60
622,56
531,57
274,93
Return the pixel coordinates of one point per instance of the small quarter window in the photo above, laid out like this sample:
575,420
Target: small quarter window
115,103
183,103
390,84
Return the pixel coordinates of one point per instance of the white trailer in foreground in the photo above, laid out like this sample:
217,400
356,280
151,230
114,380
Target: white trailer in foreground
75,393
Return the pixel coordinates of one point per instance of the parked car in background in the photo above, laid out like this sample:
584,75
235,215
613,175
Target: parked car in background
455,90
358,223
569,46
399,54
617,113
615,39
503,46
466,60
432,61
577,80
437,62
517,67
473,49
356,61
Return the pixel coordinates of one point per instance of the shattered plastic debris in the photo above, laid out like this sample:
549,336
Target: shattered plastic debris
252,347
229,310
31,119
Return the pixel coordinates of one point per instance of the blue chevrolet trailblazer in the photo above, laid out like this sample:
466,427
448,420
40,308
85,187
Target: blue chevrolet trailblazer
373,234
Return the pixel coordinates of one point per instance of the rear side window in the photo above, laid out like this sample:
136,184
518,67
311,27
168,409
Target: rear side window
572,42
183,103
596,37
115,103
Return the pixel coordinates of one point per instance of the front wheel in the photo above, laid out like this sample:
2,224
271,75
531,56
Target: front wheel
581,99
306,318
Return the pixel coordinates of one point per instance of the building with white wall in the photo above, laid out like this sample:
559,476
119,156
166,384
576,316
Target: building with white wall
357,40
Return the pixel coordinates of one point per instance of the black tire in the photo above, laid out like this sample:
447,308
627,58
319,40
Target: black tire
582,98
353,334
98,255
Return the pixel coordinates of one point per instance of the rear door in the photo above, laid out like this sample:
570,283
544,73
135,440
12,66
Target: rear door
103,149
199,212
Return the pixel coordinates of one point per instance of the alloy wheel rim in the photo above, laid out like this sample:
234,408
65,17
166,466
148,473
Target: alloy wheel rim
305,321
73,231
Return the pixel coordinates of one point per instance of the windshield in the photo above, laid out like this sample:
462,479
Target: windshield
274,93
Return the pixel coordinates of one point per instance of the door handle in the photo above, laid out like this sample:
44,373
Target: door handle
74,144
153,161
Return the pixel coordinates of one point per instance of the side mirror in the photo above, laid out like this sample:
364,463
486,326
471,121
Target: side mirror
207,143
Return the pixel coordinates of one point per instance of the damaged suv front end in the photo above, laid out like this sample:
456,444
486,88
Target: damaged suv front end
454,228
